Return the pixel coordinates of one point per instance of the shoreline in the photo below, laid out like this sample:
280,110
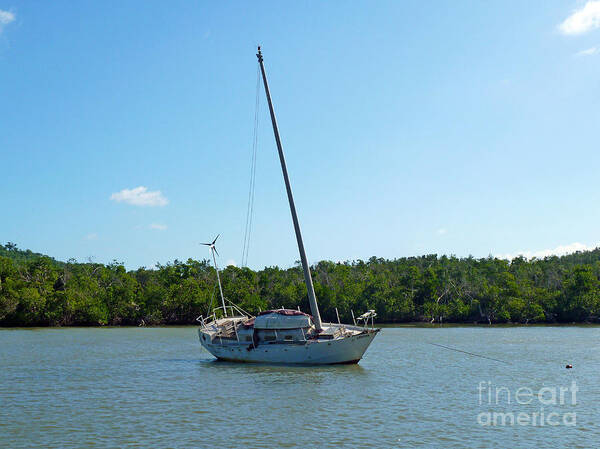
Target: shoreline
418,325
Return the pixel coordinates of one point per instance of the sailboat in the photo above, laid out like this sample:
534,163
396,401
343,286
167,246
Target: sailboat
284,336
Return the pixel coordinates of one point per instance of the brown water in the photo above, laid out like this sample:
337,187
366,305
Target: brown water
155,387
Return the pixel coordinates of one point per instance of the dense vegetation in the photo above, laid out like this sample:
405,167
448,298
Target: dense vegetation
38,290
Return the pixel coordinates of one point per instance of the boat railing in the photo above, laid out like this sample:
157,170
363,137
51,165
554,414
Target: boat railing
371,314
223,312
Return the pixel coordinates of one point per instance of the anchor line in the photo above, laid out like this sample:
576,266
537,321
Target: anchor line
470,353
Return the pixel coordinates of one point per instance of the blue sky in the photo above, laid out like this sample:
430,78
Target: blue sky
409,128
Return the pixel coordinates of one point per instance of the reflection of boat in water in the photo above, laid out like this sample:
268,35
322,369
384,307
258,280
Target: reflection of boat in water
283,335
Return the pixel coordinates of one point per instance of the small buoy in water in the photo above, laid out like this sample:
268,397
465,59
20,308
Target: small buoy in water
569,366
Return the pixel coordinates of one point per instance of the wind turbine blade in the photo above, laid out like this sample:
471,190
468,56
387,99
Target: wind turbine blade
215,250
207,244
216,239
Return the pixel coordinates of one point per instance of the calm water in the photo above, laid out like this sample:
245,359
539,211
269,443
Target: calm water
155,387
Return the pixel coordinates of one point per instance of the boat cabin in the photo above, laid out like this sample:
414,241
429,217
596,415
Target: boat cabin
280,326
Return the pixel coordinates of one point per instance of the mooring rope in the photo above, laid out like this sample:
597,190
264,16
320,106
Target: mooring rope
470,353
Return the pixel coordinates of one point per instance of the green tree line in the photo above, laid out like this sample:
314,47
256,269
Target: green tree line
36,290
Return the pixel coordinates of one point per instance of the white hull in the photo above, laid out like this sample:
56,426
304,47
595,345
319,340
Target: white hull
311,352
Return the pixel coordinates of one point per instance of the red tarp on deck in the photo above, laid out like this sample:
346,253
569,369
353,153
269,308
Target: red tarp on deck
286,312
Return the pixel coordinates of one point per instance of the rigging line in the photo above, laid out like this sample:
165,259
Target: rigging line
250,207
470,353
212,296
252,174
249,194
253,169
255,152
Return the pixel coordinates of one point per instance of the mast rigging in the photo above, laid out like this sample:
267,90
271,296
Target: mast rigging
250,208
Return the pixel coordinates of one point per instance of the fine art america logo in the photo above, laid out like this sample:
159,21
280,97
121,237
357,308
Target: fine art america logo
527,407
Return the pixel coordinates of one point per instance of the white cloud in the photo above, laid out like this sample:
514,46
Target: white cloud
158,227
558,251
140,196
6,17
582,20
588,52
230,262
441,231
92,236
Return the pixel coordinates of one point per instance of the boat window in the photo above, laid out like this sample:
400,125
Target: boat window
288,337
269,337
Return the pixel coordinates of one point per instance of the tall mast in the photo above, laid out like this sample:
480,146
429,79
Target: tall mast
314,308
